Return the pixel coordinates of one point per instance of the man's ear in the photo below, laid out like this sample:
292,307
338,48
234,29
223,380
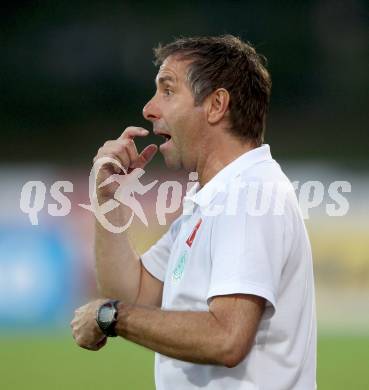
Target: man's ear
218,105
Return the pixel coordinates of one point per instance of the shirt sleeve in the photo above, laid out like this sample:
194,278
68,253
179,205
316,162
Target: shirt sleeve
248,253
155,260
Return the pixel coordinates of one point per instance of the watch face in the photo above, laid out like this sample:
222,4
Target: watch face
106,314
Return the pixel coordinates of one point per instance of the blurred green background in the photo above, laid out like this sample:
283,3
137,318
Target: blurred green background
74,74
51,362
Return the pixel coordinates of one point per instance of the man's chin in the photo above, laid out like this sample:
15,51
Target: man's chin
172,163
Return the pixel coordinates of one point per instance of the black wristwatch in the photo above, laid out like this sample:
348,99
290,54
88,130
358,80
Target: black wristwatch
107,317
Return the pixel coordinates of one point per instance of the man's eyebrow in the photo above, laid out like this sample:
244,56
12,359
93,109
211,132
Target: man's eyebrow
164,79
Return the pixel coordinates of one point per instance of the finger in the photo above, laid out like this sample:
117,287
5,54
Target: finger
131,132
115,150
81,341
97,346
118,156
146,156
83,307
101,343
131,151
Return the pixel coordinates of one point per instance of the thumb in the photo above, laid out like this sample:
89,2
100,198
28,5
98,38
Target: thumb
145,156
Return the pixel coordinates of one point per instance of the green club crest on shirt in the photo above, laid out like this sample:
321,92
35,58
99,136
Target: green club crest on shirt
178,270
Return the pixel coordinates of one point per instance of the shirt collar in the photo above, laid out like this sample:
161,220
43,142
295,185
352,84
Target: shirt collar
203,196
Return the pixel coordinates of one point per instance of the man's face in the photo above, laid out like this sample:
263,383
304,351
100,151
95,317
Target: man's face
174,115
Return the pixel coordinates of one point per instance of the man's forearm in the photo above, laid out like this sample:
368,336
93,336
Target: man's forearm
191,336
118,267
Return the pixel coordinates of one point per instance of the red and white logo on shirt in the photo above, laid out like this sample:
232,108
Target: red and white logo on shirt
192,236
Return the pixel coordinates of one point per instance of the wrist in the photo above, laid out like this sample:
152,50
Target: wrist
121,327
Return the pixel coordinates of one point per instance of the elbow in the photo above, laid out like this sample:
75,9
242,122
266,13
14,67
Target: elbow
234,353
233,359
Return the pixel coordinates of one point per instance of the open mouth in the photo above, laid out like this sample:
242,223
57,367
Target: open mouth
166,137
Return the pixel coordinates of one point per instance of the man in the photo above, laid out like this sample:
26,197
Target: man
226,297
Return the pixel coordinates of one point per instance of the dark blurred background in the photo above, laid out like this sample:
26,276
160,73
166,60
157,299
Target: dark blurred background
75,74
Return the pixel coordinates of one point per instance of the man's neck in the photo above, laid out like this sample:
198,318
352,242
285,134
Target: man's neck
218,154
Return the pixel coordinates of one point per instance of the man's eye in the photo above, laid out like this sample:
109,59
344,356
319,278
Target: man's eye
167,92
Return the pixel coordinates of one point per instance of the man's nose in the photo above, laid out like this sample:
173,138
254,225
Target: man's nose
151,111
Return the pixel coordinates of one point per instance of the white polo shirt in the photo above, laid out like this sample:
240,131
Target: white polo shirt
242,233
